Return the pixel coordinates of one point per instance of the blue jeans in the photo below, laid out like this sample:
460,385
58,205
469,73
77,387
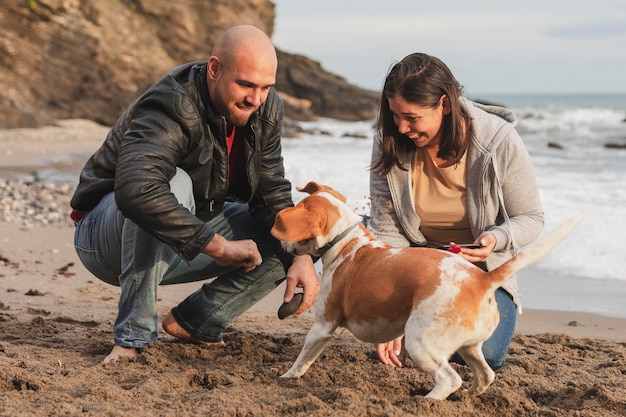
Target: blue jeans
496,347
119,252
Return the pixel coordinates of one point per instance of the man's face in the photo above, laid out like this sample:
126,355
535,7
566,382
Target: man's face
240,86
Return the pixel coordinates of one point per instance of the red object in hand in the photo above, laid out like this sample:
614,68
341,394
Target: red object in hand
454,249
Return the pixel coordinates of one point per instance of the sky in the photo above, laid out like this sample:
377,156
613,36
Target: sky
491,46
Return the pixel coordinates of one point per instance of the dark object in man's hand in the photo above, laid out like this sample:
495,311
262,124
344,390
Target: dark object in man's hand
287,309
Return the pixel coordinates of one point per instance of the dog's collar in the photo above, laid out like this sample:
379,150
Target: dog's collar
333,242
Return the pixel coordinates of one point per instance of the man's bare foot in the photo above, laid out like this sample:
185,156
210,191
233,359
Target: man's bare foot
171,326
120,352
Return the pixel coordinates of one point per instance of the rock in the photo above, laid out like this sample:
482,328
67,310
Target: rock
355,135
287,309
614,145
555,145
89,59
34,203
297,108
329,95
487,102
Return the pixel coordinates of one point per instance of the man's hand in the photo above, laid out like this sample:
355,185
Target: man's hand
237,253
302,274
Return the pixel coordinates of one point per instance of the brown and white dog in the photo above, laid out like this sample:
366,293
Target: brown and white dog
440,302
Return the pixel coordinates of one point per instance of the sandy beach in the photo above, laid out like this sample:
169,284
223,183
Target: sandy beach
56,327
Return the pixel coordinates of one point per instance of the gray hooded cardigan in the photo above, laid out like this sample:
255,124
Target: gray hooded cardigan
502,194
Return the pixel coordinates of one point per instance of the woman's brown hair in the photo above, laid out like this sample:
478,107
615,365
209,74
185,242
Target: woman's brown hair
422,80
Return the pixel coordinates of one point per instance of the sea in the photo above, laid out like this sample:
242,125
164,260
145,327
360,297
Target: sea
577,174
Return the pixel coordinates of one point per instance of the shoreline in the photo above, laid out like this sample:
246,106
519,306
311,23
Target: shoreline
33,256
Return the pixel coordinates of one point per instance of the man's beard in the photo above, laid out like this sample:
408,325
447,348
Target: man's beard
235,119
234,115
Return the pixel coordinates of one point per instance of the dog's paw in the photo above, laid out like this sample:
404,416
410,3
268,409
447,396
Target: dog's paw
287,309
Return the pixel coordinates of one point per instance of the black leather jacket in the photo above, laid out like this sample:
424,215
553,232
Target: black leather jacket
171,125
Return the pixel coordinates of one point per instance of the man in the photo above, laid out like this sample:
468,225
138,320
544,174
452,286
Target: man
186,187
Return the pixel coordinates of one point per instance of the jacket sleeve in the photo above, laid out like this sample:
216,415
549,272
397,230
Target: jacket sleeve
520,196
152,144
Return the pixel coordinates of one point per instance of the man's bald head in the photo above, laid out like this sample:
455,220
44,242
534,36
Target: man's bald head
241,72
244,41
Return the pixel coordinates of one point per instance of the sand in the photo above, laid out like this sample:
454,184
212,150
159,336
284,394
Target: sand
56,327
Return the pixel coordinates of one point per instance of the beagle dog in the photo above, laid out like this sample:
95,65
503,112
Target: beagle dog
441,302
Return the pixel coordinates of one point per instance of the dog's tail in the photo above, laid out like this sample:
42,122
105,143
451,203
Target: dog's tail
535,252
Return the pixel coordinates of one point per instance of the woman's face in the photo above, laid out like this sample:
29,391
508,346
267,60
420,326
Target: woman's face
420,124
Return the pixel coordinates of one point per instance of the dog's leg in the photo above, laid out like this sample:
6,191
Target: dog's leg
483,374
314,343
446,379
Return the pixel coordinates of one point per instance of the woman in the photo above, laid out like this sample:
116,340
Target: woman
447,170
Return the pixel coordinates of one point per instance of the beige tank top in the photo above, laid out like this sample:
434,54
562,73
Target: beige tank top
440,198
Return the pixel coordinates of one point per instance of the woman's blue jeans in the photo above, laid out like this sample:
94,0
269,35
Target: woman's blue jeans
119,252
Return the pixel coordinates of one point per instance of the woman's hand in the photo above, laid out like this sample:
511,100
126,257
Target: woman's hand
388,352
487,242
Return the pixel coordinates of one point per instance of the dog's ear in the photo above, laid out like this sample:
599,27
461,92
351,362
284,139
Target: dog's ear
292,225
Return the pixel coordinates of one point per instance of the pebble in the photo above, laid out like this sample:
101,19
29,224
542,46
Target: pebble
35,203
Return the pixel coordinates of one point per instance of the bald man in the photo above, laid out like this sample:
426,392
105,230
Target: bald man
185,188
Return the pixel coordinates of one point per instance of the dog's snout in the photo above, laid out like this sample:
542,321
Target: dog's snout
289,248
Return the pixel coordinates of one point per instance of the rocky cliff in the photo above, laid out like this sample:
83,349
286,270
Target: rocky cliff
90,58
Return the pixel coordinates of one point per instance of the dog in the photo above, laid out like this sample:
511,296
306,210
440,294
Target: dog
379,292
